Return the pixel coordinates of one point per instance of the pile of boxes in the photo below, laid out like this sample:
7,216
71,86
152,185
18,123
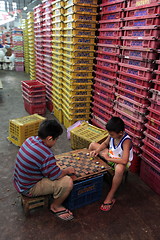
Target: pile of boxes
17,42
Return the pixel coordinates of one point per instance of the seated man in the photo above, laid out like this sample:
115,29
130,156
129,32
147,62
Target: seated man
36,172
117,150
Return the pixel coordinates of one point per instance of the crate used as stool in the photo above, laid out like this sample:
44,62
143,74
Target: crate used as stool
30,203
85,134
22,128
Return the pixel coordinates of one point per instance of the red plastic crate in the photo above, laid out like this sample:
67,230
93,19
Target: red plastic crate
139,63
105,71
155,95
103,106
134,131
142,11
152,150
107,63
103,98
130,78
31,108
152,131
132,104
113,24
49,105
109,49
112,16
108,56
155,105
33,85
110,32
97,122
103,90
133,88
129,110
136,71
139,54
152,140
138,3
156,84
142,21
108,80
105,116
157,75
150,156
158,62
153,122
139,43
154,114
109,40
32,92
104,84
144,31
112,6
34,98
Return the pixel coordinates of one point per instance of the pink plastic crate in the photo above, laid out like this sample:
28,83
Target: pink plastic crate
153,122
136,71
112,6
154,114
130,78
158,62
33,85
107,63
104,84
112,16
116,24
155,95
109,40
110,32
104,115
34,98
97,122
155,105
152,140
108,56
142,11
134,131
157,84
133,88
141,31
140,42
152,131
33,92
138,63
129,110
149,173
132,104
108,80
103,98
152,151
138,3
32,108
102,105
104,48
157,72
139,54
105,71
103,90
142,21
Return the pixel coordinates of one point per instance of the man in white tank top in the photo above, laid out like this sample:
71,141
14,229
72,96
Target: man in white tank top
117,150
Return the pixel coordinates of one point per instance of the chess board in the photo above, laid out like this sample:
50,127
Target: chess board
84,165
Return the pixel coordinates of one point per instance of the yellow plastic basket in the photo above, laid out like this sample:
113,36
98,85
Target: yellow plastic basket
69,104
72,74
85,134
77,67
80,17
57,4
57,50
77,80
57,11
57,45
56,55
57,25
58,113
79,92
76,61
22,128
77,86
57,61
57,32
69,120
76,112
81,2
90,9
57,72
79,32
78,40
79,24
58,18
76,98
57,39
78,47
78,54
57,67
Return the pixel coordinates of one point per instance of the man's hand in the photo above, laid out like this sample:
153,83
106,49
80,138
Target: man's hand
94,153
70,170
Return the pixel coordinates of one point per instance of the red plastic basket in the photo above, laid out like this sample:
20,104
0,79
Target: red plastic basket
152,151
155,105
110,32
34,98
152,131
152,140
101,114
101,97
103,106
142,21
108,56
112,16
32,108
109,40
112,6
108,80
130,78
104,84
136,71
107,63
154,114
139,54
156,84
155,95
109,49
138,63
113,24
105,71
153,122
148,31
142,11
133,88
33,85
139,43
138,3
103,90
157,75
97,122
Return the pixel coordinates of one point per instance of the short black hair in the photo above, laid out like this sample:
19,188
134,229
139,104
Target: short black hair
50,128
115,124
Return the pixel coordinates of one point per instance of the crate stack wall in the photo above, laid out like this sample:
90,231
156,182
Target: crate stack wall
78,55
138,53
25,44
38,27
107,57
150,164
57,50
32,61
17,43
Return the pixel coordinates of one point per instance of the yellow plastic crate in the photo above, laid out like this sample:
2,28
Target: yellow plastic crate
69,120
76,98
85,134
57,32
79,24
57,72
77,80
56,55
81,2
77,74
78,47
78,40
78,92
58,18
57,50
70,103
57,67
81,17
57,45
58,101
74,110
58,113
57,62
58,4
57,39
57,25
78,54
77,86
76,61
22,128
79,32
77,67
90,9
57,11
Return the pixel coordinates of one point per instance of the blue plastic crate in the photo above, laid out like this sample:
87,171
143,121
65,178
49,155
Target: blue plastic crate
85,192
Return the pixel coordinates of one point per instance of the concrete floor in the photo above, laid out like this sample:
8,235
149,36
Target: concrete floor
135,216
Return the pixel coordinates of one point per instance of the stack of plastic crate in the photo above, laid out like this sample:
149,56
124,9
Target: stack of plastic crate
107,60
47,46
25,44
32,61
34,96
78,54
38,21
150,164
17,42
138,52
57,49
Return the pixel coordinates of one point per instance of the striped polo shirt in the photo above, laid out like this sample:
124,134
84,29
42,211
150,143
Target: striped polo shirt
34,162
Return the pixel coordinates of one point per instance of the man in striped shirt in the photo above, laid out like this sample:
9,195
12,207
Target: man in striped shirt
36,172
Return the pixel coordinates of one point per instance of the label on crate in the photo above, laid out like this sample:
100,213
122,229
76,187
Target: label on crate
142,2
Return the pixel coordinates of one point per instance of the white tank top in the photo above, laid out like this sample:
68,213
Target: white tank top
117,151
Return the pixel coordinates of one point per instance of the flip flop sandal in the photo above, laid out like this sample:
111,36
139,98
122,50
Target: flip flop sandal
59,213
109,206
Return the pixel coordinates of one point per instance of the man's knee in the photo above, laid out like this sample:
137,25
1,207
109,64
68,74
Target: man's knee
68,183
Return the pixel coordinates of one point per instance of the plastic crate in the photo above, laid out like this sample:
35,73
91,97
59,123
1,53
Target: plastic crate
78,74
139,63
34,107
152,131
131,79
101,114
132,87
77,86
138,3
22,128
144,31
142,21
49,105
152,140
58,113
111,24
155,95
69,120
107,56
71,80
139,54
79,25
111,81
96,121
109,40
74,111
78,47
77,61
103,90
79,32
157,72
110,32
81,2
107,63
90,9
149,173
80,17
104,98
78,40
85,134
103,84
156,84
102,105
19,68
75,105
153,122
112,16
85,192
33,86
109,49
139,43
155,105
112,6
79,54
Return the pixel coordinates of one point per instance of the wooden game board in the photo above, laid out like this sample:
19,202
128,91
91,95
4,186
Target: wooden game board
85,165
